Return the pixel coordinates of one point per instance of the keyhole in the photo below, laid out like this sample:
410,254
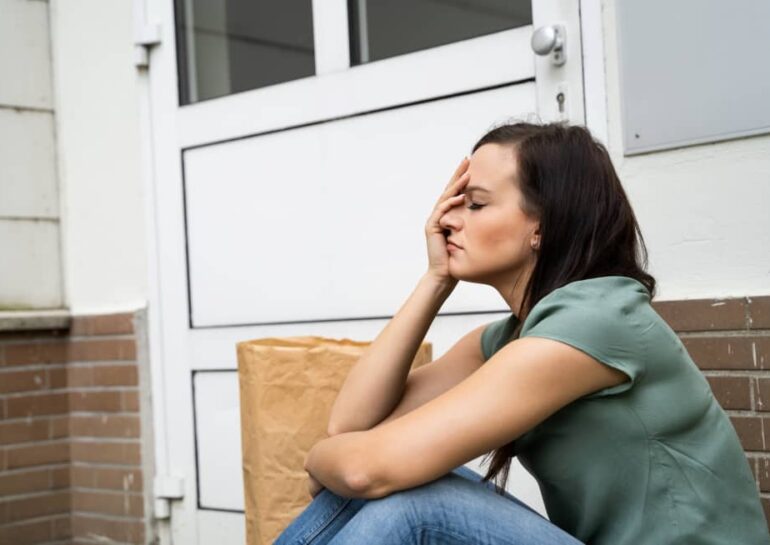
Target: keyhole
560,100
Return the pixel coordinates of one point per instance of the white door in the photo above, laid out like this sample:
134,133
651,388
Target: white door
297,148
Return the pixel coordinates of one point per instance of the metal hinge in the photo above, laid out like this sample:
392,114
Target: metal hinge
167,488
146,36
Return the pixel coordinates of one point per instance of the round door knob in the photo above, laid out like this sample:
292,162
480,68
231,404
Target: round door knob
548,40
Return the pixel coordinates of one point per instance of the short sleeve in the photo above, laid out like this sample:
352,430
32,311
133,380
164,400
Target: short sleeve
496,334
604,323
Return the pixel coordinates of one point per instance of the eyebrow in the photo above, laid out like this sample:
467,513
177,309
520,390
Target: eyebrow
471,188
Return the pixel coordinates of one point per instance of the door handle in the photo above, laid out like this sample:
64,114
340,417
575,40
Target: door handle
550,40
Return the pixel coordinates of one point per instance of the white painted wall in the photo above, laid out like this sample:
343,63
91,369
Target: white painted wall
30,270
98,148
703,210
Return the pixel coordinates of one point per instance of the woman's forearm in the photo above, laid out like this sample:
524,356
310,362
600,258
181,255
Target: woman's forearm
333,462
375,383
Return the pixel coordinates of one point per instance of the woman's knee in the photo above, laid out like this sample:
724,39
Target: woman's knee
412,505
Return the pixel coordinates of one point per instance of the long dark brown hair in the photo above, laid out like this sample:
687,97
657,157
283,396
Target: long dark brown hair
587,226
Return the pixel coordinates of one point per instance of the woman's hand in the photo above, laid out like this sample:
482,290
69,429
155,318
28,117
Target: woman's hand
313,486
438,255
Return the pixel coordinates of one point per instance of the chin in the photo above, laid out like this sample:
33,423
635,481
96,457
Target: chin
465,276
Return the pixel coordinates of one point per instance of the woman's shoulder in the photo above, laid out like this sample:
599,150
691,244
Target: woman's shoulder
606,317
603,302
601,287
602,296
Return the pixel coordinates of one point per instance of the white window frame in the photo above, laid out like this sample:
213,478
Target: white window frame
339,90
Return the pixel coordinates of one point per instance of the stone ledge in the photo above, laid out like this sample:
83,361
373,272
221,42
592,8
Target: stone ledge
24,320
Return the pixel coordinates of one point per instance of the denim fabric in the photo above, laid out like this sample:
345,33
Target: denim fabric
452,510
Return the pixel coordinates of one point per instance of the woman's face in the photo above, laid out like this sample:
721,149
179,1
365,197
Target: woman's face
494,233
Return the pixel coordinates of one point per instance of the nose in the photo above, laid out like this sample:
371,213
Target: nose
452,219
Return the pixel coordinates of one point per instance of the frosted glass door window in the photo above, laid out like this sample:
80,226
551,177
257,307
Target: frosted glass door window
385,28
228,46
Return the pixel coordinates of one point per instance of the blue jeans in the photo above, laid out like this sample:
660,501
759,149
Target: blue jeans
455,509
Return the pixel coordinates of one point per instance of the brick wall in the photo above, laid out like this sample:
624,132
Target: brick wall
71,449
729,339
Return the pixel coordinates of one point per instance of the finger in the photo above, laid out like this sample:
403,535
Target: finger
458,172
442,207
457,186
451,201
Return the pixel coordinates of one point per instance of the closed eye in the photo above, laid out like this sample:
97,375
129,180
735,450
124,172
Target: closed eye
474,206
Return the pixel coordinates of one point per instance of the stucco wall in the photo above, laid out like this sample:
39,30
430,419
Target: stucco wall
702,209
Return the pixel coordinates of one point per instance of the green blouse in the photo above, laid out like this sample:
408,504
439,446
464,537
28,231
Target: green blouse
652,461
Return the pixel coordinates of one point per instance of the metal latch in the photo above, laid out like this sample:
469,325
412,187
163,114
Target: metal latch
167,488
146,36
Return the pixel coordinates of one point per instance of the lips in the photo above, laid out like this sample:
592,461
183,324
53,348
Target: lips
453,243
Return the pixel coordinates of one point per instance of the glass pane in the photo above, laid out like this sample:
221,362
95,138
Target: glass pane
228,46
385,28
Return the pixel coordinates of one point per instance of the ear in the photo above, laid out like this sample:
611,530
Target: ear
535,240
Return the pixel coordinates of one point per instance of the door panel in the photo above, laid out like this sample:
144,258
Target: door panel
296,225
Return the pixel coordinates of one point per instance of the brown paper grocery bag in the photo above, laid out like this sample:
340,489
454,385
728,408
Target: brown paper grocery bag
287,388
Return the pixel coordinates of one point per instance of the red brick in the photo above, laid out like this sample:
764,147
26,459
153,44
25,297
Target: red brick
36,352
96,401
57,377
121,426
108,478
60,477
116,375
123,530
37,405
731,392
22,381
50,428
59,427
22,431
26,532
106,452
38,454
108,324
102,350
26,481
749,430
37,506
80,376
759,312
83,476
130,401
762,394
750,353
703,314
102,375
61,527
108,503
763,473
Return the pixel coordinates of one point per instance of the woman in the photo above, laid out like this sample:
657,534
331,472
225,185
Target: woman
584,382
